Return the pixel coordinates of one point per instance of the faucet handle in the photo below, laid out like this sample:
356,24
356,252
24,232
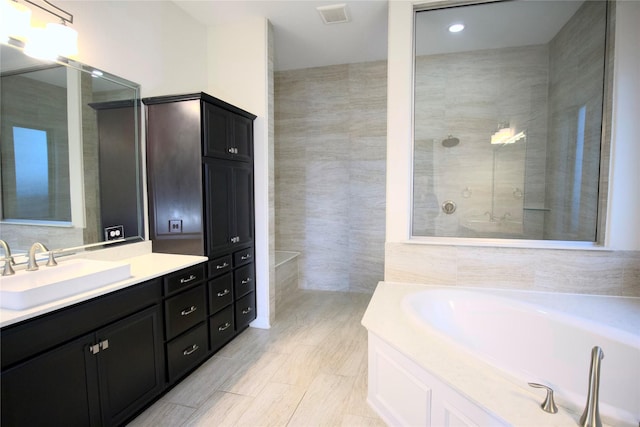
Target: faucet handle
52,261
548,405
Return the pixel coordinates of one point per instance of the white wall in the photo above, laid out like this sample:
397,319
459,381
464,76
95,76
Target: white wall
153,43
614,272
239,72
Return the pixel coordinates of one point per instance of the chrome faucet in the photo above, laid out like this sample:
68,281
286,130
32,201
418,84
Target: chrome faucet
32,265
8,260
591,415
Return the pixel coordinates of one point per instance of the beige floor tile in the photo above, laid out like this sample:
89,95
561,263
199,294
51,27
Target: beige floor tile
357,421
249,379
274,406
325,401
222,409
163,414
309,369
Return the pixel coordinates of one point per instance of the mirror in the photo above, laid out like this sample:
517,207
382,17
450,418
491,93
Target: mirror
508,119
70,154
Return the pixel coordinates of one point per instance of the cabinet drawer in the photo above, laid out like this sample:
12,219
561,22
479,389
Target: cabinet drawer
221,328
220,292
186,351
183,279
245,311
184,311
219,266
243,280
242,257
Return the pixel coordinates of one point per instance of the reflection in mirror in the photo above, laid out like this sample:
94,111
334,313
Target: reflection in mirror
69,145
508,120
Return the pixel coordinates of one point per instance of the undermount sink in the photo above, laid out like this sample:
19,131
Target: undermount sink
27,289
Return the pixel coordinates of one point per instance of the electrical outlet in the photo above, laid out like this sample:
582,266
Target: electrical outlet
175,226
114,233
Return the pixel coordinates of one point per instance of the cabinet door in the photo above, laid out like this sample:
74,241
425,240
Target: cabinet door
56,388
227,135
130,365
217,131
242,138
243,198
219,205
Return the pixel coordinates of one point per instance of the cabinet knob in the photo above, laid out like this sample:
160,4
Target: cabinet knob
247,280
104,345
221,266
223,293
245,257
224,327
246,310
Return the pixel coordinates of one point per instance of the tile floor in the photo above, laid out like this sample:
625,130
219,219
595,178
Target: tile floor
309,369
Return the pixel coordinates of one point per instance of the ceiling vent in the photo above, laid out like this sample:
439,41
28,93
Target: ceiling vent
334,14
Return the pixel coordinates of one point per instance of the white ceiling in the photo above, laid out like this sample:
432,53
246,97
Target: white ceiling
301,39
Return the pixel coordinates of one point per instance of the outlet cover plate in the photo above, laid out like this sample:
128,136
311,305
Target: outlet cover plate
175,226
114,233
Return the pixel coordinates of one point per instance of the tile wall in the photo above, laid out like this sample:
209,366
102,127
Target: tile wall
330,160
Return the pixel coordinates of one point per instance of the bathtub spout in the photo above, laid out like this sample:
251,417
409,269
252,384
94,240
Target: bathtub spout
591,415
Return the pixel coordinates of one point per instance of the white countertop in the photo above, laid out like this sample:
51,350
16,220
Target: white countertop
476,380
143,267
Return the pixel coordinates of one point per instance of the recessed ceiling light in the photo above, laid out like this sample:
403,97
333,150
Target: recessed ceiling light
456,28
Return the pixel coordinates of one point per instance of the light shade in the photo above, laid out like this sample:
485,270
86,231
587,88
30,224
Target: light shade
51,42
15,20
64,38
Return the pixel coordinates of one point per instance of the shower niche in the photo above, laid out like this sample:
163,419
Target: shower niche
509,129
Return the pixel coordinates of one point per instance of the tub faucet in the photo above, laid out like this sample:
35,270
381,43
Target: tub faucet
591,415
8,260
32,265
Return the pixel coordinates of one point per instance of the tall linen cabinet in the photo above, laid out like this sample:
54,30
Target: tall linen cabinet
201,202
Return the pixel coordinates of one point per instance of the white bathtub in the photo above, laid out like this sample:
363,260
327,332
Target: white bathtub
485,346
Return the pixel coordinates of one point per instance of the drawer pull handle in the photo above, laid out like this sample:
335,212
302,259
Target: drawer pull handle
188,311
221,266
190,350
224,327
188,279
245,257
247,280
223,293
246,310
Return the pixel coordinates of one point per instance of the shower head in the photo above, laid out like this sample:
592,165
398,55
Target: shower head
450,141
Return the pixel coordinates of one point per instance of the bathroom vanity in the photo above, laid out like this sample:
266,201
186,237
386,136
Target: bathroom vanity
99,358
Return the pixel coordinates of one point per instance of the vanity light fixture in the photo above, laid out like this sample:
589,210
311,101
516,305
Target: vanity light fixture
54,40
456,28
15,21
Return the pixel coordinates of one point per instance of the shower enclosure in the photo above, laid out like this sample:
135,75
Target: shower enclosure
508,120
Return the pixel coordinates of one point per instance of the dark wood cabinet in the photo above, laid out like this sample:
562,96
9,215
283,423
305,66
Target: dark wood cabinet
200,166
229,205
52,388
228,135
102,377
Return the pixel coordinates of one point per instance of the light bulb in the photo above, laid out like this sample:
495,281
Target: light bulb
456,28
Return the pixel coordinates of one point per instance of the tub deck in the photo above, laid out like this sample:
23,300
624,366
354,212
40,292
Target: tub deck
499,395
